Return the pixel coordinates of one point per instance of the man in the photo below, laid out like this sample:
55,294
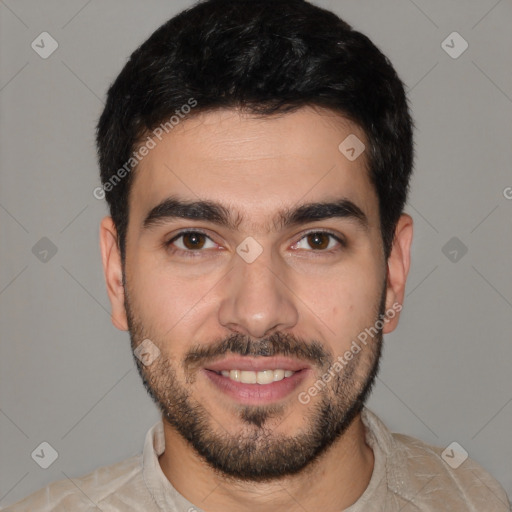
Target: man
256,159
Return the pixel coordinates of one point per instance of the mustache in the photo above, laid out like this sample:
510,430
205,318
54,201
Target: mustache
277,344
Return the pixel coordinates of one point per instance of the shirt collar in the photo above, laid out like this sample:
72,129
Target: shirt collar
377,434
397,475
162,491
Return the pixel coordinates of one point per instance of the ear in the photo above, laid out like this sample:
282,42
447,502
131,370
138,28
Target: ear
398,268
113,271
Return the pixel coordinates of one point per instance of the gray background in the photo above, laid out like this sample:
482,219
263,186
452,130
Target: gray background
67,375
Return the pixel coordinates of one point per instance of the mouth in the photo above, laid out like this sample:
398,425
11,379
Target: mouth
261,377
257,380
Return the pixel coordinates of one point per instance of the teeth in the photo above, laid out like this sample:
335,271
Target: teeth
263,377
279,375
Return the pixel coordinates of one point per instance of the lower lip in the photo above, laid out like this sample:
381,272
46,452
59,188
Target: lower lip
256,393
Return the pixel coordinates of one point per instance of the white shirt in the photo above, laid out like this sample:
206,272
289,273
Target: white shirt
408,475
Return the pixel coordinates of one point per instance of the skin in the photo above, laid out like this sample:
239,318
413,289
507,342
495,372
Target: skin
256,167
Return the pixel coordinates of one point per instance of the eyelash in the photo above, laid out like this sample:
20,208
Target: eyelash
193,254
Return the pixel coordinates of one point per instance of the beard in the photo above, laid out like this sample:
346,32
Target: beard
257,453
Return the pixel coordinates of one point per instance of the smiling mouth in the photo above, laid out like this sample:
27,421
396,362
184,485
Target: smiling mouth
256,377
257,380
253,382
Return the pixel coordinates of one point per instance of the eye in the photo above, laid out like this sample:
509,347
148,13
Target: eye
323,241
190,242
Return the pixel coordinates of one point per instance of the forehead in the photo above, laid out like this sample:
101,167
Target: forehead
254,165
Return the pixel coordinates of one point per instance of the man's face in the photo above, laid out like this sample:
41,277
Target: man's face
256,292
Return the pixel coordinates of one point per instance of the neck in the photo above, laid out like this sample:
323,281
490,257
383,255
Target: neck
332,483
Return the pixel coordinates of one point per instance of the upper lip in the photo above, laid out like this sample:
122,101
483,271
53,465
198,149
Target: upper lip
257,364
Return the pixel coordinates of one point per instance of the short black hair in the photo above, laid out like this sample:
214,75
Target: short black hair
263,57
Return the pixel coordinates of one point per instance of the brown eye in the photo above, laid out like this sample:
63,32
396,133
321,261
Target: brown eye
193,240
318,240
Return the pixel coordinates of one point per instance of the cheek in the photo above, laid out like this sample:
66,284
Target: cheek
165,301
347,302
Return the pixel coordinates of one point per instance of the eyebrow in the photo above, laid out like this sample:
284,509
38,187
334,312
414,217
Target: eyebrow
174,208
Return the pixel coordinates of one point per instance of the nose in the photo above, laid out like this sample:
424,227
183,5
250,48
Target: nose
257,299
